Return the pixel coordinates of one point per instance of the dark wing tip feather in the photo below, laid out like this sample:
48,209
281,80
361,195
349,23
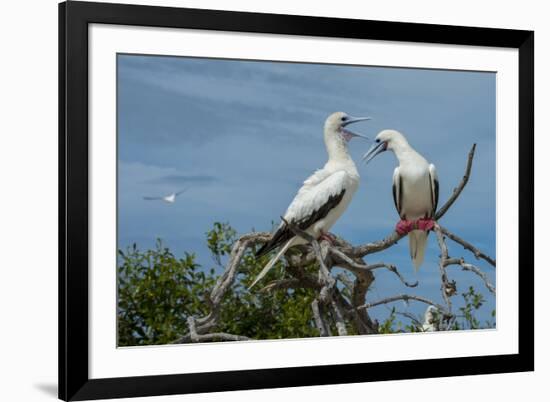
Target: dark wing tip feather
263,250
284,234
279,237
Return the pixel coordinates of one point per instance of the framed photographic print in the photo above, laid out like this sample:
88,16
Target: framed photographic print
258,200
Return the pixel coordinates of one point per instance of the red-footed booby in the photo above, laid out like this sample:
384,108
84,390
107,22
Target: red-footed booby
323,197
415,190
170,198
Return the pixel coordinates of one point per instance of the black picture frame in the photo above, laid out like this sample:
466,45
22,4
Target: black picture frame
74,18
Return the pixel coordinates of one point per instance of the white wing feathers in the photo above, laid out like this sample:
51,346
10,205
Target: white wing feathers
315,193
313,201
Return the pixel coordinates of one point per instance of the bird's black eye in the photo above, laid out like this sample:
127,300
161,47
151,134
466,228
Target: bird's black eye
344,118
378,140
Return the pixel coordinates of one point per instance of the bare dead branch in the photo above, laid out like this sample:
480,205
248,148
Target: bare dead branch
346,262
210,337
194,337
338,318
411,317
221,336
281,284
374,247
324,273
205,324
472,268
330,303
348,283
475,251
448,288
406,298
456,192
318,318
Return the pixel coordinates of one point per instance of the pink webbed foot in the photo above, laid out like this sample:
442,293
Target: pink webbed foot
328,237
404,226
425,224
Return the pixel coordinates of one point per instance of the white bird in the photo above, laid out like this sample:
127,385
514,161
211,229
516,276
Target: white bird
430,319
323,197
415,190
170,198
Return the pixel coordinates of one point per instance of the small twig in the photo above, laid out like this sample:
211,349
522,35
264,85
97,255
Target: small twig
282,284
348,283
472,268
374,247
339,319
295,282
448,288
324,273
319,322
194,337
355,266
192,329
214,336
406,298
411,317
460,187
476,252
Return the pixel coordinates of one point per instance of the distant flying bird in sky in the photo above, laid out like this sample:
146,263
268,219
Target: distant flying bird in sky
415,190
323,197
170,198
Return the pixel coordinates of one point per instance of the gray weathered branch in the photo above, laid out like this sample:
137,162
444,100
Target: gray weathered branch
406,298
456,192
448,288
475,251
320,323
472,268
330,302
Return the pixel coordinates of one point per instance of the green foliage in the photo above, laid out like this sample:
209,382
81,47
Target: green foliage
392,325
157,292
389,324
472,302
219,240
262,315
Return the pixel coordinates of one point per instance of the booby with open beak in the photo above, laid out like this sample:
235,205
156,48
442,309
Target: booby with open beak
323,197
415,190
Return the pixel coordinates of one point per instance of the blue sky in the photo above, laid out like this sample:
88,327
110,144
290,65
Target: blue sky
243,135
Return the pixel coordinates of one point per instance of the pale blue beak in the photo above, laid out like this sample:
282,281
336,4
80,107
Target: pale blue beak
376,148
348,134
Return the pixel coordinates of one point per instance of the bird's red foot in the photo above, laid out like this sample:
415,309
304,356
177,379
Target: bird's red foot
425,224
328,237
404,226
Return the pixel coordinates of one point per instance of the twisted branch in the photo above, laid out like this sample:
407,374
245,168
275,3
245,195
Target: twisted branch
448,288
475,251
195,337
406,298
342,254
322,326
347,262
472,268
456,192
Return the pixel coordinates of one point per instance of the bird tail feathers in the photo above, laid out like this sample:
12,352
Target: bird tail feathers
417,246
271,263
